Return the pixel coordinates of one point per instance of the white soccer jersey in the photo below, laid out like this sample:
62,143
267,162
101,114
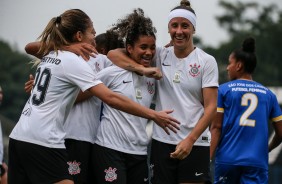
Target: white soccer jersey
119,130
57,82
180,89
84,117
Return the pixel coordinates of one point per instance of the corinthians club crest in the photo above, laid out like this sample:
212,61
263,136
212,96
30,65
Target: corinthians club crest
74,167
150,87
97,67
110,174
194,70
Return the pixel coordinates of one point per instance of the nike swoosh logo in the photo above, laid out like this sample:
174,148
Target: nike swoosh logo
198,174
165,64
124,82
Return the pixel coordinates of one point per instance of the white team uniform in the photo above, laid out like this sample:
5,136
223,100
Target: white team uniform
57,83
180,89
84,117
119,130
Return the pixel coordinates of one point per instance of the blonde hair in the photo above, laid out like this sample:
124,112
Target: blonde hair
60,30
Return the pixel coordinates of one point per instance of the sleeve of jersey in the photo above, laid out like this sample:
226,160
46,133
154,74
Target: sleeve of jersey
220,107
210,73
79,72
106,76
275,114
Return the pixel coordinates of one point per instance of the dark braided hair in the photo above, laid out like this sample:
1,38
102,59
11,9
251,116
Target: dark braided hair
247,55
134,25
109,41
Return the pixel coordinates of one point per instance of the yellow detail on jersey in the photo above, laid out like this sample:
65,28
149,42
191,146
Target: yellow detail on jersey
220,109
279,118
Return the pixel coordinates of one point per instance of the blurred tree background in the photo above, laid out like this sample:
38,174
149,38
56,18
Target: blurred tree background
264,23
15,70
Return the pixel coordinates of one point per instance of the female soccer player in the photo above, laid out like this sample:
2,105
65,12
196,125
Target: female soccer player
240,130
120,150
189,86
36,148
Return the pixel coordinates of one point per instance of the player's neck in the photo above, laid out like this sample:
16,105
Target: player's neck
183,53
245,77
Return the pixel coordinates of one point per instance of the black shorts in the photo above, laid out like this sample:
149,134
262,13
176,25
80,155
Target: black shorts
111,166
165,170
32,163
79,153
3,171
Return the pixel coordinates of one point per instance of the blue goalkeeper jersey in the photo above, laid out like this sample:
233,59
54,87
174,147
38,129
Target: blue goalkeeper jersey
247,108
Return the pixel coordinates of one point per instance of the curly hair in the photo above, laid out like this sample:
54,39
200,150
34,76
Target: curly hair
134,25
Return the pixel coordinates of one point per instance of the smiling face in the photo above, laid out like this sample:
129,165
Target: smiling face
181,32
143,50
